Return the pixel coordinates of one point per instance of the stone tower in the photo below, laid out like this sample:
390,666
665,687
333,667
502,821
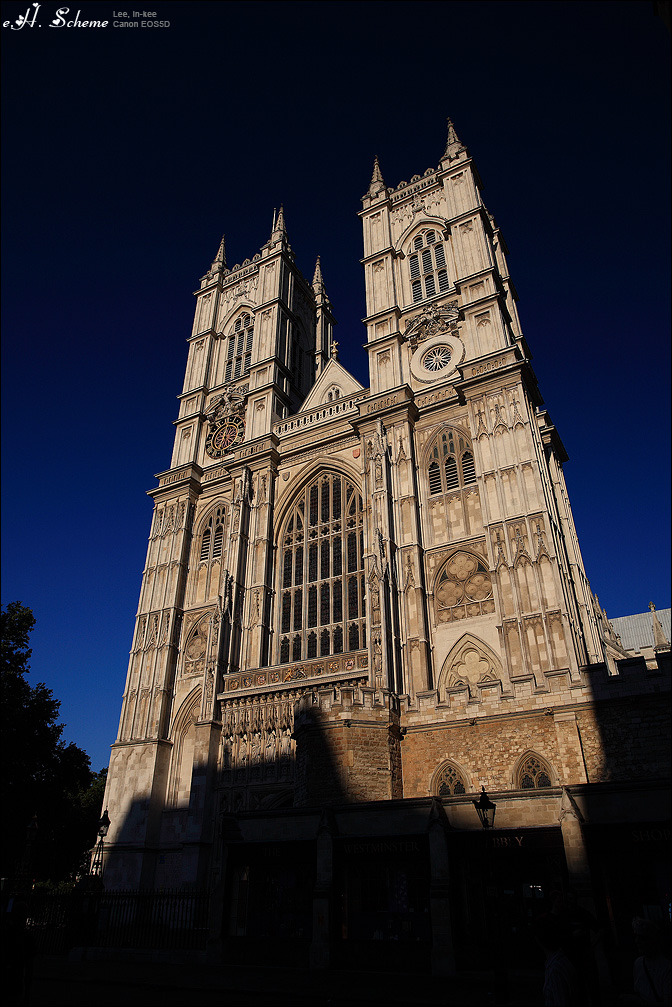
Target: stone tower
338,576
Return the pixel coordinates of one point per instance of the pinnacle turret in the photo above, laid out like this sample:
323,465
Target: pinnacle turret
660,641
219,262
453,145
318,281
279,230
377,182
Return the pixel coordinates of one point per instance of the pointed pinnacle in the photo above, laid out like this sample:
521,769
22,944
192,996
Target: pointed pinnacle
317,276
660,641
377,183
280,221
453,142
219,262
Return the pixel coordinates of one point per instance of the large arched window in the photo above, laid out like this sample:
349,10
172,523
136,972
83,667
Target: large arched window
451,464
427,261
322,599
239,348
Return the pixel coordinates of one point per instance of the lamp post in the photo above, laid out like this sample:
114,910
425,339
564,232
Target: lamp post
486,810
97,861
486,814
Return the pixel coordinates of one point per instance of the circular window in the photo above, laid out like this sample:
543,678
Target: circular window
437,358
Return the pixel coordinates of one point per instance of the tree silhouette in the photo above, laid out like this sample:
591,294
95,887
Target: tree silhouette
43,780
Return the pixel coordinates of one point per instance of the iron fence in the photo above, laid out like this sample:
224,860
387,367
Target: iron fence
167,920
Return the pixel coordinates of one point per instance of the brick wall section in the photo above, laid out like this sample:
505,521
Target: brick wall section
571,766
486,752
346,750
626,739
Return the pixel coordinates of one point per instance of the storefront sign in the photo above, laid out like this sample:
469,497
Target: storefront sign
382,846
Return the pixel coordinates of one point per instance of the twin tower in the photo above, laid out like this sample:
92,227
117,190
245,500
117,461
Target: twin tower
341,580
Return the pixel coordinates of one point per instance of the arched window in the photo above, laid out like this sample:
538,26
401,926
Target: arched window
463,588
212,540
427,262
239,349
322,599
451,465
449,782
533,773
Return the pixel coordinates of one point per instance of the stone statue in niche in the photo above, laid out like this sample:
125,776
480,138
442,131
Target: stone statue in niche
227,749
243,752
375,602
377,657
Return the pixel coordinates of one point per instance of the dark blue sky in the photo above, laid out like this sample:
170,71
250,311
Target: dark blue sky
127,152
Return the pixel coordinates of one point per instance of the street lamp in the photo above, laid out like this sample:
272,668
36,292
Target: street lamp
486,810
103,828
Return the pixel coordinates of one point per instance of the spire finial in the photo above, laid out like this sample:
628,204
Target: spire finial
317,276
219,262
453,145
377,182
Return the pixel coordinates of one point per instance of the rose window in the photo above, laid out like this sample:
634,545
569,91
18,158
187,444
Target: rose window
437,358
464,589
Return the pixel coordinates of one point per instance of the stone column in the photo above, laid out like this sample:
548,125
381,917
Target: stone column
575,847
322,893
579,875
443,954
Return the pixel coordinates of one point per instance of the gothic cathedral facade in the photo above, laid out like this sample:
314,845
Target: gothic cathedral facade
361,606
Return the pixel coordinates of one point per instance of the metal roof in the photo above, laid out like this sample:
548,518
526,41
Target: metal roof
636,631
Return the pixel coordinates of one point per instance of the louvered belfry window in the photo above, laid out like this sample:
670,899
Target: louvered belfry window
427,263
239,348
212,540
451,465
322,598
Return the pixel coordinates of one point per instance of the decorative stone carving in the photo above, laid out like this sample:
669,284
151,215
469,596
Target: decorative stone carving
470,663
464,589
433,320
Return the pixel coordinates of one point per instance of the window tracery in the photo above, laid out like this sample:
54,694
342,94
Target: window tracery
322,595
463,588
533,773
449,782
451,464
427,262
239,348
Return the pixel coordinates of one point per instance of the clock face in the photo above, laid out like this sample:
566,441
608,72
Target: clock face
224,436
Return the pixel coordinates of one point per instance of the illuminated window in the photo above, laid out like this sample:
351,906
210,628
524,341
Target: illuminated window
449,782
239,348
322,600
427,264
533,774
